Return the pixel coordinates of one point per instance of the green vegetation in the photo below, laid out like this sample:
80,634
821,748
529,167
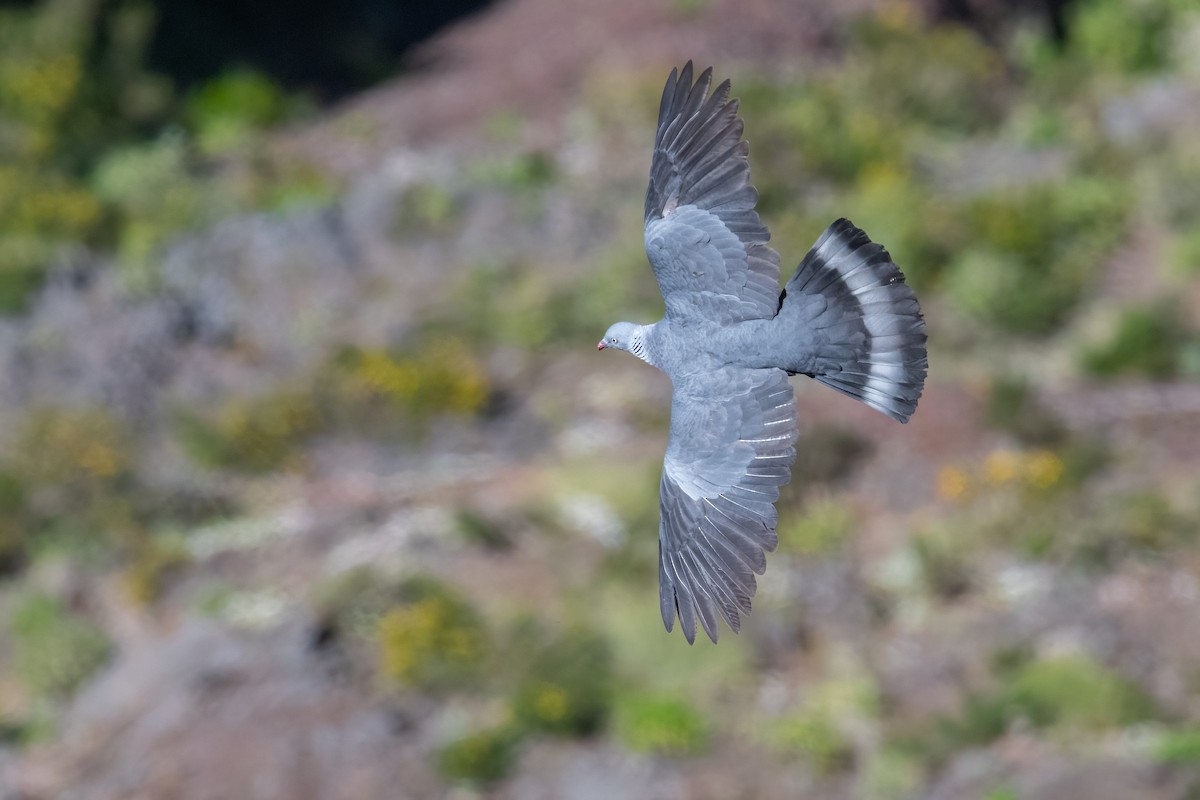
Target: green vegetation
389,388
1152,342
433,640
479,758
663,725
1030,254
228,110
151,569
815,736
819,731
1072,694
260,434
945,569
54,649
1179,747
1075,692
1011,407
100,152
567,686
821,529
426,209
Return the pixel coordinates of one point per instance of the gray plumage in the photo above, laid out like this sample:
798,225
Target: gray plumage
729,339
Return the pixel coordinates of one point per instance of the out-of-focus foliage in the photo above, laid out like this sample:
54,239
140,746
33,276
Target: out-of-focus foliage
1125,37
229,109
567,687
1154,342
97,149
479,758
434,639
256,434
665,725
54,649
1012,407
381,388
1030,254
151,568
821,528
1074,692
819,731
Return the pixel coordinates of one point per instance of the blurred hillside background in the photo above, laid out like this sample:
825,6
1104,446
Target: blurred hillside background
312,484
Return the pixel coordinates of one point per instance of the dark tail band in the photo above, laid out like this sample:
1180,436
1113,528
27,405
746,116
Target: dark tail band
875,329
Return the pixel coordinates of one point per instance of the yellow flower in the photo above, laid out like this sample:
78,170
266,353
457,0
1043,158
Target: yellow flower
1043,469
951,483
1001,467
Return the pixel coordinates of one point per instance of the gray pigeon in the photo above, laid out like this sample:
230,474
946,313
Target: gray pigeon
729,340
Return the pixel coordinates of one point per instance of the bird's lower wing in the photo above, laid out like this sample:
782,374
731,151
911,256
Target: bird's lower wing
731,447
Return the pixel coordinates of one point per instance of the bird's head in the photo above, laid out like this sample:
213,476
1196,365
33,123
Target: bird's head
624,336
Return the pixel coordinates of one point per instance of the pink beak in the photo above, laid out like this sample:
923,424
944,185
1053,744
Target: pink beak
602,345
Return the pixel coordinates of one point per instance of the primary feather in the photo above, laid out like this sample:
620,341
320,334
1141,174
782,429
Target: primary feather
729,339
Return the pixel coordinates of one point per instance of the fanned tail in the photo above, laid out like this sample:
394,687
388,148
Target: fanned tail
870,333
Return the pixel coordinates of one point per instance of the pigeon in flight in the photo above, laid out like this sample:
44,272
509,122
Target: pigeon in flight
729,340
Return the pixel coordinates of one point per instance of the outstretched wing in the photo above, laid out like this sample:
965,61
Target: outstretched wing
703,237
731,447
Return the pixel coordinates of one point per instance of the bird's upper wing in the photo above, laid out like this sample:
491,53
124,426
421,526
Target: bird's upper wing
731,447
703,237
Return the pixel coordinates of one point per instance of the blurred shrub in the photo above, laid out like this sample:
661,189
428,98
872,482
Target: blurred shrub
1012,407
480,758
864,115
1077,693
14,521
522,173
352,602
1149,342
945,568
426,209
823,125
75,467
816,737
151,567
567,685
819,732
84,162
892,772
254,434
1032,252
53,649
1178,747
1070,693
61,93
42,211
946,78
661,725
477,528
1124,36
825,524
827,454
433,640
153,191
1130,525
1185,253
377,390
224,111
